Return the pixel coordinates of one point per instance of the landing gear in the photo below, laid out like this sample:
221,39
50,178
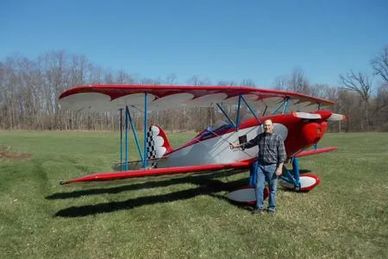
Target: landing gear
292,179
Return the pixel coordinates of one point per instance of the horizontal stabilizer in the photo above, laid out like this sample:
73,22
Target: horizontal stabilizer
315,151
109,176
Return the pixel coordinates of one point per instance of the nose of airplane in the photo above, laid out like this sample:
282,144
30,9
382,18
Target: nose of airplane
313,132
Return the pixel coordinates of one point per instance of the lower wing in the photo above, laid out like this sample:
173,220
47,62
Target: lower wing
109,176
315,151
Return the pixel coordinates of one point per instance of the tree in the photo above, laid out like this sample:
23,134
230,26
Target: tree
381,107
296,82
362,85
380,64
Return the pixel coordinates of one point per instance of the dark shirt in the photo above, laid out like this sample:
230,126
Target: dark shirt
271,148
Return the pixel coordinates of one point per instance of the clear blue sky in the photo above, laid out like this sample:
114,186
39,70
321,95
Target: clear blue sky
214,39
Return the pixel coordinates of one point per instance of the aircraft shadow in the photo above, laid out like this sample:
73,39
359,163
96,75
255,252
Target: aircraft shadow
207,184
205,187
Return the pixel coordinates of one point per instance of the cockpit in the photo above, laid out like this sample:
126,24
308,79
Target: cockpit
217,129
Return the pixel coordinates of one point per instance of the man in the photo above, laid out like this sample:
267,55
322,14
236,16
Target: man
270,159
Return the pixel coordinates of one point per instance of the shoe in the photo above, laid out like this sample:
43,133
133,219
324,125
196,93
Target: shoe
258,211
271,212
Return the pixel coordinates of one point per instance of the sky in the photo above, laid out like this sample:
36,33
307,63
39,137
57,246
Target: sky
216,40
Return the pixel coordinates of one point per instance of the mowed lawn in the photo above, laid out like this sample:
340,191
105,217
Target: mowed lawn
345,216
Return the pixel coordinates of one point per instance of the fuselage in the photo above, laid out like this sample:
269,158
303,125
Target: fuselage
211,146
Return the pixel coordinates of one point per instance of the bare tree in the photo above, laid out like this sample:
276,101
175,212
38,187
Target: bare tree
248,82
380,64
362,85
296,82
381,107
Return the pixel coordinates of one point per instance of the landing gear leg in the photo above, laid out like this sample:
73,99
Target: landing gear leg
291,177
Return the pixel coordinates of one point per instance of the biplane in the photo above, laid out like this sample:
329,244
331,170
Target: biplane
301,121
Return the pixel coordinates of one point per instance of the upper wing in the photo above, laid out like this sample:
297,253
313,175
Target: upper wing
110,176
105,98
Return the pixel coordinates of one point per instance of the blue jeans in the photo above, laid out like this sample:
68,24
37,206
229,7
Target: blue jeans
266,173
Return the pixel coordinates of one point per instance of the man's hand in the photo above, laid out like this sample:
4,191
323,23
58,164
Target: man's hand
279,170
234,145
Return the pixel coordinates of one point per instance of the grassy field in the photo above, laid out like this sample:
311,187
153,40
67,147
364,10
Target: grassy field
345,216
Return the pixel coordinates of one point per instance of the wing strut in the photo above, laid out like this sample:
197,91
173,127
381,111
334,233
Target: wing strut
121,138
250,108
238,113
126,139
226,115
129,120
284,105
145,131
133,127
237,123
127,125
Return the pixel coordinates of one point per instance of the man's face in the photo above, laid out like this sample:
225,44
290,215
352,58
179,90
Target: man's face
268,127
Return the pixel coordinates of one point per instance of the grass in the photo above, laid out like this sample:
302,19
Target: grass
345,216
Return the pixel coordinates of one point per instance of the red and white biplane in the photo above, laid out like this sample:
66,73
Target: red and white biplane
299,119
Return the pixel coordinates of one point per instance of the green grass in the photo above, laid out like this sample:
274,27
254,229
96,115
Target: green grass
345,216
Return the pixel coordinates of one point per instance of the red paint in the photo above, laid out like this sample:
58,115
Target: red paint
315,151
117,90
302,133
109,176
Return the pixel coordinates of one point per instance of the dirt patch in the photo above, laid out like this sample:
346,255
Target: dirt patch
5,153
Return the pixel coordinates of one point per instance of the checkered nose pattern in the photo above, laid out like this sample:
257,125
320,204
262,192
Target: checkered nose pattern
156,143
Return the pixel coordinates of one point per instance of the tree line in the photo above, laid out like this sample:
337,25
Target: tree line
29,90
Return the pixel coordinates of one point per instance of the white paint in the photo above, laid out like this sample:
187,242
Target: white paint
307,115
214,150
280,130
136,100
336,117
217,150
207,100
171,101
155,130
234,100
307,181
158,141
87,101
243,195
160,151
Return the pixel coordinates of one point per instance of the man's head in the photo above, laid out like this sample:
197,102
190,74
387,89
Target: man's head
268,127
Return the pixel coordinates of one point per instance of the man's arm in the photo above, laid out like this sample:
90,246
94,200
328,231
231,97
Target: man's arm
253,142
282,156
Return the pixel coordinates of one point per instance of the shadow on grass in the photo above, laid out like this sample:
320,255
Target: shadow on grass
207,185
